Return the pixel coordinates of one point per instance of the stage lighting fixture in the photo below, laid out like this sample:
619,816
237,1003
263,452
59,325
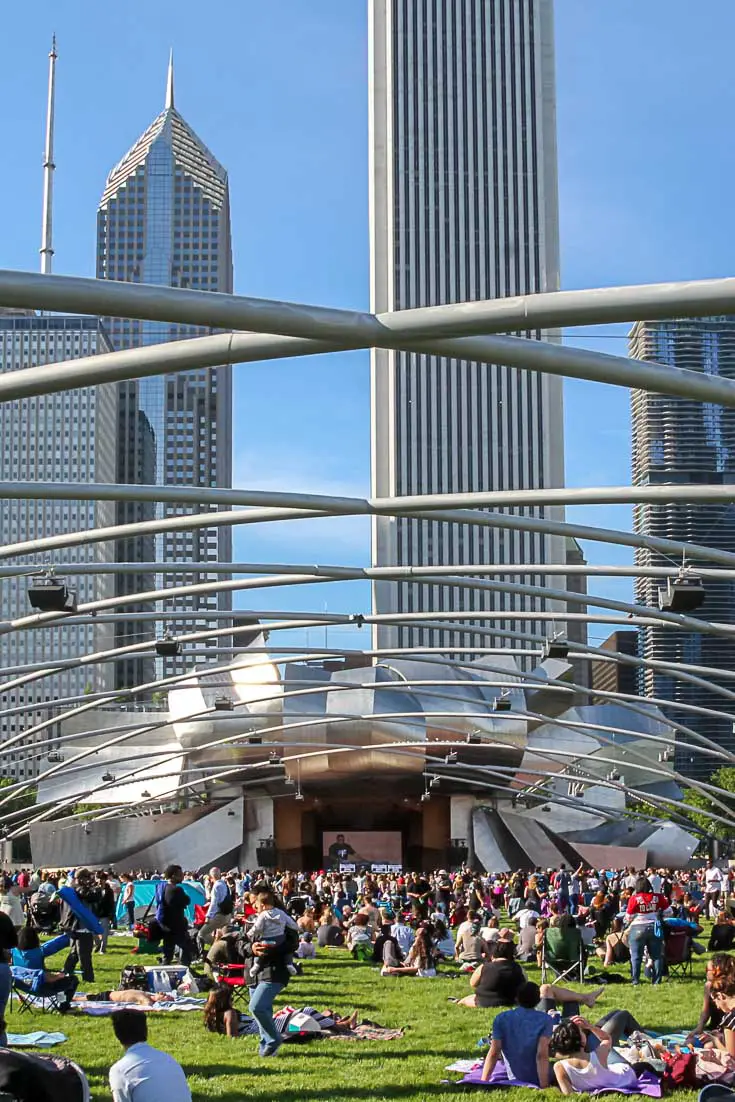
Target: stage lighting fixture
474,738
55,756
167,646
290,782
425,797
145,794
254,740
666,755
435,782
273,758
614,775
47,593
451,758
556,648
502,703
108,777
299,796
684,593
224,704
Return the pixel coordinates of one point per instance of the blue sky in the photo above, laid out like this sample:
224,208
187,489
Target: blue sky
278,91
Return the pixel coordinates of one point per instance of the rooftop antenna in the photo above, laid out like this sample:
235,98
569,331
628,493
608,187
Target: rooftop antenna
170,82
47,251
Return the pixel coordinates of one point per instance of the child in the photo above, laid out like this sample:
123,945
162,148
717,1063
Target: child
306,949
269,927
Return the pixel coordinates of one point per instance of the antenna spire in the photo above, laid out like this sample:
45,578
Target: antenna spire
170,82
47,251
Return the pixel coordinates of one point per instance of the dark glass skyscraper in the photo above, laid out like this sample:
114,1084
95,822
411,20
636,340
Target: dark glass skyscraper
676,440
164,218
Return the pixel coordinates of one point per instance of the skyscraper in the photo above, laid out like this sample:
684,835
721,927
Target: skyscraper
164,218
677,440
463,205
66,437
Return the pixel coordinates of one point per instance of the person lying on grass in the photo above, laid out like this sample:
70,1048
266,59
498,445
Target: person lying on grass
221,1017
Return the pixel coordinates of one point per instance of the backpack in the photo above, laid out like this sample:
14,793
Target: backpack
227,905
133,978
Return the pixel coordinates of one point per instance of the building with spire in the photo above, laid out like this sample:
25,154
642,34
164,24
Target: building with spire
65,437
164,218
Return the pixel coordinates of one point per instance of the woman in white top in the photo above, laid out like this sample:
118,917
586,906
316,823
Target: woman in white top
580,1072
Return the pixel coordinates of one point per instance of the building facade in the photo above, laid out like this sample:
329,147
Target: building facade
463,206
676,440
616,677
65,437
164,218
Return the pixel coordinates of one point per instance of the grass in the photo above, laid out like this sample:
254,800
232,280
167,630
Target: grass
410,1069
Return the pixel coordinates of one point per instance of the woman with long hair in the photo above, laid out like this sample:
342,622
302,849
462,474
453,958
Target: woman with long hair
219,1014
420,960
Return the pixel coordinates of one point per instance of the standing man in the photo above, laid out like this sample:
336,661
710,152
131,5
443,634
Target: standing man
171,916
82,938
221,906
105,911
143,1074
712,888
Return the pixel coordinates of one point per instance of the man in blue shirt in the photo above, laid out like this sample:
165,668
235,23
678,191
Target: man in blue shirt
144,1074
521,1037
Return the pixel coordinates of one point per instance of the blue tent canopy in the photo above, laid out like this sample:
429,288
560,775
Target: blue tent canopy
144,892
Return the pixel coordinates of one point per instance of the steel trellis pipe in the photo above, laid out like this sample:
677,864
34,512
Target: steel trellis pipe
420,330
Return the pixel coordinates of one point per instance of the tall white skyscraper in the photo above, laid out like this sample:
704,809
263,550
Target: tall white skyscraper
65,437
463,206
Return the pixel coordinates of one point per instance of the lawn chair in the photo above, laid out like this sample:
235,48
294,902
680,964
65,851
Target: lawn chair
678,953
235,978
48,1002
562,954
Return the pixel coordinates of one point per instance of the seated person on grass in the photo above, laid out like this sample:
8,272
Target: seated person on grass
420,960
28,966
723,934
615,950
521,1037
470,948
143,1073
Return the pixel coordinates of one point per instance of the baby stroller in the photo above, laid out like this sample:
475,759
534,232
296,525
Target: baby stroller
44,912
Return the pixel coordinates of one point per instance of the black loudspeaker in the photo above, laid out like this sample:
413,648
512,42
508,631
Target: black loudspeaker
266,856
457,856
414,858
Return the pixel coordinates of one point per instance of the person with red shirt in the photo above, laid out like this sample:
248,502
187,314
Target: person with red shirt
645,930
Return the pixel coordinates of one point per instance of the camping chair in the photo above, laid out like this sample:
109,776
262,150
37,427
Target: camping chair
562,954
48,1002
233,976
678,953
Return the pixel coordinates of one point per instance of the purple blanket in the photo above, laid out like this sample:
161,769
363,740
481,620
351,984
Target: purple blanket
648,1084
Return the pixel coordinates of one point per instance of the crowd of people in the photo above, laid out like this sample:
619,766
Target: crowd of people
488,926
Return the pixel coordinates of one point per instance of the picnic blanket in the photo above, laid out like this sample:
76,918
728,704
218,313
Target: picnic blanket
308,1023
100,1010
39,1039
648,1084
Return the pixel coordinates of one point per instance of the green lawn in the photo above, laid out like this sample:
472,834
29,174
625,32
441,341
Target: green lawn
437,1032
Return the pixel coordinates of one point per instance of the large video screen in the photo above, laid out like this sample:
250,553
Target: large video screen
361,847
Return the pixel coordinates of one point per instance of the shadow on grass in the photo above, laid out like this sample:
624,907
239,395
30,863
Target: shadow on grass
344,1093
